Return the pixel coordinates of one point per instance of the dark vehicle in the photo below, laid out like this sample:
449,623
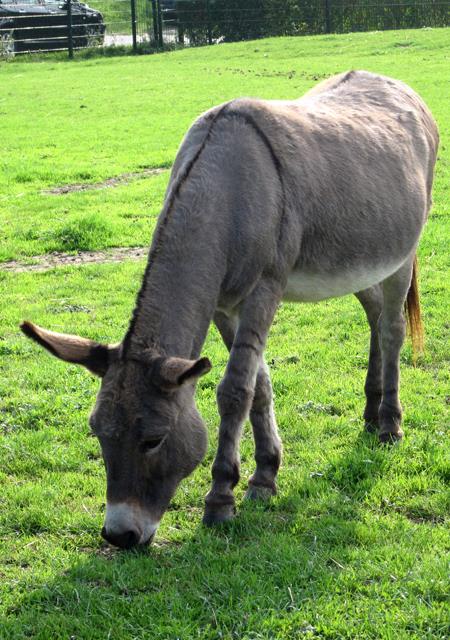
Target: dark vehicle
168,10
42,25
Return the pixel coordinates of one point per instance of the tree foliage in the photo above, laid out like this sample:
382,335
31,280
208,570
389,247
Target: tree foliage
230,20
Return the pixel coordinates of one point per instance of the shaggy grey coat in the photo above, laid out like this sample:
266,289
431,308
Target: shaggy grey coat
268,200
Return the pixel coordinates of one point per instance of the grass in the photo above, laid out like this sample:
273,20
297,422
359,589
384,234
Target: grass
95,119
356,544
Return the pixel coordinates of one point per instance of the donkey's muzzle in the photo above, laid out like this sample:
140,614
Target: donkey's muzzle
127,524
124,540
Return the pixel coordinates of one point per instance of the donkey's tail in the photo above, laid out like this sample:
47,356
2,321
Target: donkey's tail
412,311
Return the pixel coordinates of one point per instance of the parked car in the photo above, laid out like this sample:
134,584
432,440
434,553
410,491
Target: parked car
41,25
168,10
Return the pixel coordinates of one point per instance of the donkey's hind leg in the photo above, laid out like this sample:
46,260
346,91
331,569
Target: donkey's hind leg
392,329
372,302
262,418
267,441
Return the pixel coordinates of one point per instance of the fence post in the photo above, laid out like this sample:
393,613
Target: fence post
69,29
155,21
133,25
208,25
160,26
327,16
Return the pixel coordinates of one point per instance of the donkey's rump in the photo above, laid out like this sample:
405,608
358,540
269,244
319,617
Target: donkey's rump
357,159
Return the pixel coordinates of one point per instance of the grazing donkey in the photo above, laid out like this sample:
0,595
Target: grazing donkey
268,200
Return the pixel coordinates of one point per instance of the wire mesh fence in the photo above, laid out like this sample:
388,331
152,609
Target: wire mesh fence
195,22
143,25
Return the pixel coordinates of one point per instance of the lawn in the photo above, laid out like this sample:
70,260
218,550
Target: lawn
355,545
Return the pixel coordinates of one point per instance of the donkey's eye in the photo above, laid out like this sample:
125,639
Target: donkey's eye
150,444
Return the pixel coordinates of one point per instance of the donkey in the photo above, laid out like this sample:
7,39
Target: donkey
268,200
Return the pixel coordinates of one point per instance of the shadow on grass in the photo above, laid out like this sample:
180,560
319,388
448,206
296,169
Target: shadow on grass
221,578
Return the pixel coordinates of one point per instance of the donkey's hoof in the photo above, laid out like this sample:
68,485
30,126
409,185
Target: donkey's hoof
390,437
218,514
259,492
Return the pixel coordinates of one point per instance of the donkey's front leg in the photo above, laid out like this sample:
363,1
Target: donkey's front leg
235,395
267,441
262,417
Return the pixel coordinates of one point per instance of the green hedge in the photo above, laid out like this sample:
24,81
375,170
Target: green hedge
229,20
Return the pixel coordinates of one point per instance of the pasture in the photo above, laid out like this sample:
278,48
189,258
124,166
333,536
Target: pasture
355,545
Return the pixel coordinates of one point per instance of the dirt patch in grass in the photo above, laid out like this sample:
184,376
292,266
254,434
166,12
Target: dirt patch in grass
52,260
121,179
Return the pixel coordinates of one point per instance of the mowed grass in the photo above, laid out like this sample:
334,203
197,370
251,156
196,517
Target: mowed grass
356,543
90,120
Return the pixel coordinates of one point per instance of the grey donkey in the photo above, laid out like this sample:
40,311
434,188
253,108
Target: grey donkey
267,201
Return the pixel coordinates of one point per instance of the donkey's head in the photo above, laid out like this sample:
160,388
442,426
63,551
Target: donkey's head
150,432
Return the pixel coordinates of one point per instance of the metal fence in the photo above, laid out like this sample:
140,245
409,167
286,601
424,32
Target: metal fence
145,25
197,22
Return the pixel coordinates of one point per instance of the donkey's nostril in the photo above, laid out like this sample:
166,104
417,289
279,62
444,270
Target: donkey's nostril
124,540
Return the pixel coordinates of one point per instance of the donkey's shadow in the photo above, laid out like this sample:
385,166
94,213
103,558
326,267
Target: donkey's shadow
303,535
329,501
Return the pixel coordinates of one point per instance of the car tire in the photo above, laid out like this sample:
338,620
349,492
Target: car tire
7,43
93,37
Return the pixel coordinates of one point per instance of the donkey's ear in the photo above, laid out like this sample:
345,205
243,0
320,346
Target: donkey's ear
92,355
173,372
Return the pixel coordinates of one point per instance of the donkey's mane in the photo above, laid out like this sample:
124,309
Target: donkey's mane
224,112
181,178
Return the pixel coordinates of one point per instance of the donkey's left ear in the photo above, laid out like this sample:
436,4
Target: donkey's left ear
92,355
173,372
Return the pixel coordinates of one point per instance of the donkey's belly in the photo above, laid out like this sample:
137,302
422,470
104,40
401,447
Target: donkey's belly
312,286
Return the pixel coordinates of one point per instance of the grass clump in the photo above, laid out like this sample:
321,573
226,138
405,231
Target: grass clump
84,233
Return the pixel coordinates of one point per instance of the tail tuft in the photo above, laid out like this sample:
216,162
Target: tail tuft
412,311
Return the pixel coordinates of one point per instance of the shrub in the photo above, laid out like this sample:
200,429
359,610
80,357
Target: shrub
80,234
210,20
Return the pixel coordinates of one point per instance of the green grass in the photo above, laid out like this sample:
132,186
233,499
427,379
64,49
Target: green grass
356,544
89,120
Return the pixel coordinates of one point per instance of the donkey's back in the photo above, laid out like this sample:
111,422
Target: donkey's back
333,189
389,108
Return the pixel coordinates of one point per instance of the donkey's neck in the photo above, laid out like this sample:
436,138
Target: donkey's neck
179,292
170,318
